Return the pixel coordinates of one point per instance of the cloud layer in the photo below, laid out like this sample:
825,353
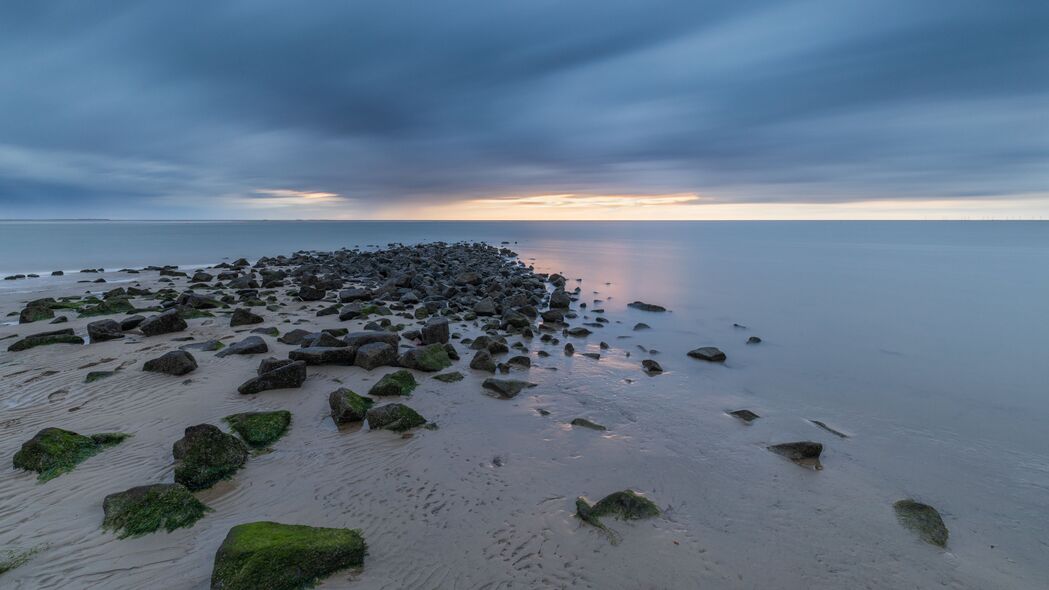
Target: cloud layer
259,108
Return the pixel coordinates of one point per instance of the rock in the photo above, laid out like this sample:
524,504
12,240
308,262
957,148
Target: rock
244,317
273,556
294,337
587,424
485,307
397,383
197,301
923,520
270,364
482,361
206,455
646,306
560,300
625,505
641,326
430,358
553,316
569,349
578,332
65,336
250,345
375,354
520,361
708,353
753,340
468,278
354,294
176,362
163,323
651,366
131,322
35,313
347,406
824,426
592,355
395,417
324,355
206,346
102,330
53,451
201,277
146,509
805,453
505,388
311,293
744,415
435,331
287,376
451,377
359,339
98,376
330,310
59,320
260,429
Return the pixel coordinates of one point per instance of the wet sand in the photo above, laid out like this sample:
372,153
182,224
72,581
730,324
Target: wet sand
485,501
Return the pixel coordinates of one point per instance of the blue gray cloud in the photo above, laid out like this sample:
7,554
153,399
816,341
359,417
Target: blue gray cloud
195,109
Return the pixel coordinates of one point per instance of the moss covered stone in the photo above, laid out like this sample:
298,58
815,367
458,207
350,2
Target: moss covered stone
65,336
108,307
260,429
451,377
35,313
54,451
431,358
146,509
396,417
12,558
278,556
624,505
923,520
347,406
397,383
206,455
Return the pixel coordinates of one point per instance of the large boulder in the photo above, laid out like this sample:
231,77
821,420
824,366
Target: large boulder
287,376
250,345
35,312
435,331
560,300
176,362
65,336
347,406
206,455
260,429
324,355
54,451
146,509
311,293
163,323
485,307
375,354
396,417
397,383
244,317
430,358
277,556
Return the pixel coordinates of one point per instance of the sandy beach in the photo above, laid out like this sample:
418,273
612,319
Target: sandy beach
484,499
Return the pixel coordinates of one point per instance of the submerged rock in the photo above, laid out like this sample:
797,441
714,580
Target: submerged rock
396,417
292,374
98,375
260,429
641,326
277,556
146,509
347,406
65,336
805,453
505,388
651,366
744,415
646,306
583,422
923,519
176,362
54,451
206,455
397,383
624,505
708,353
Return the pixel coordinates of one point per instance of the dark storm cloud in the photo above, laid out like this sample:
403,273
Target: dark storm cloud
189,108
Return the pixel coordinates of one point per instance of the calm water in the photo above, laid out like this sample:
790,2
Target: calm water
926,342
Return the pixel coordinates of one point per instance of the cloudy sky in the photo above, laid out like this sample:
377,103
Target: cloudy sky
524,109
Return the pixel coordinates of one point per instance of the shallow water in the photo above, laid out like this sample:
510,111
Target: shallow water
923,342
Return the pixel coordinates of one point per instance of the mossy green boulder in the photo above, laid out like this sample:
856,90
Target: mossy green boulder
278,556
206,455
431,358
107,307
260,429
451,377
64,336
12,558
146,509
624,505
54,451
923,520
347,406
395,417
397,383
34,312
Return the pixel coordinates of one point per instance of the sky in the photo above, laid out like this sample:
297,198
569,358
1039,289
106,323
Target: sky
513,109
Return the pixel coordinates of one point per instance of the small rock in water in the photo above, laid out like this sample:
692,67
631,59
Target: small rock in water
744,415
708,353
592,355
923,520
753,340
651,366
587,424
829,429
805,453
646,306
625,505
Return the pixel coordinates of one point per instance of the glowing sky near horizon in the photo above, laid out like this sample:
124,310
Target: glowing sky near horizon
464,109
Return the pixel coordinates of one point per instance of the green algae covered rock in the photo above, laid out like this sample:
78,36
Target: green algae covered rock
395,417
451,377
65,336
431,358
397,383
260,429
274,556
54,451
146,509
624,505
347,406
107,307
923,520
206,455
12,558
